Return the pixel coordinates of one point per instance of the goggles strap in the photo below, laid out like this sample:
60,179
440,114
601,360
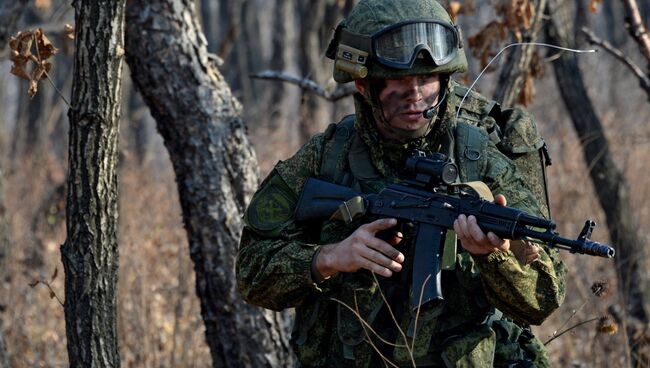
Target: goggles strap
355,40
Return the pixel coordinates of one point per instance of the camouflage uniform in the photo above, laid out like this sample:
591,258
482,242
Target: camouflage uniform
274,270
347,320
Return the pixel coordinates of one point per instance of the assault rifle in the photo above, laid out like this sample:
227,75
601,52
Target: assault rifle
428,198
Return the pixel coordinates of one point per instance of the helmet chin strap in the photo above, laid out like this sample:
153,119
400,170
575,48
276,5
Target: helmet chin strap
404,135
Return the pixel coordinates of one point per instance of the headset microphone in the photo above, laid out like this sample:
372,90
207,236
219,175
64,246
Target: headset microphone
431,111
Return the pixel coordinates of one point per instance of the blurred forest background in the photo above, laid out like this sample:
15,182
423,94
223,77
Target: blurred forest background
159,321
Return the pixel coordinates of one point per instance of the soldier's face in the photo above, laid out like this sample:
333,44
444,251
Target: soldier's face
404,100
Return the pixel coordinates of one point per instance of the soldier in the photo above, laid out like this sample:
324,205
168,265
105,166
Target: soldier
401,56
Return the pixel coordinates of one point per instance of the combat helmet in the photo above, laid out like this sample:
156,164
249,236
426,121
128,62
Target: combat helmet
395,38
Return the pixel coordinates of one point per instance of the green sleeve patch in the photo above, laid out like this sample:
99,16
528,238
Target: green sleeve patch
272,206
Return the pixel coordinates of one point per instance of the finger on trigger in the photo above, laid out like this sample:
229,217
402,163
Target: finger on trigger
396,238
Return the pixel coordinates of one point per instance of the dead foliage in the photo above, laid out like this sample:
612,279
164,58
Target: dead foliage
30,51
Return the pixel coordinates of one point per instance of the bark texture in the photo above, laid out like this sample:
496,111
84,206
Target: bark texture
89,254
315,112
611,186
517,67
216,172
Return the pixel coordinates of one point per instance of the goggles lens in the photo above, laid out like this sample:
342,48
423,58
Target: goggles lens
398,46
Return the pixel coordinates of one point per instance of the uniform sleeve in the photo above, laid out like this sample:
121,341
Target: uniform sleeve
526,293
273,264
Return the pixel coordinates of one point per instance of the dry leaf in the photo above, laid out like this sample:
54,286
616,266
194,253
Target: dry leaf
468,7
593,6
45,47
69,31
527,91
484,43
607,326
455,8
43,4
537,66
21,46
517,15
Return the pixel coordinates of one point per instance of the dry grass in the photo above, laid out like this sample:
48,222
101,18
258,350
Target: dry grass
159,322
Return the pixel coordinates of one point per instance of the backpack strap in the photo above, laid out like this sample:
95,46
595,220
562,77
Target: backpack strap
334,161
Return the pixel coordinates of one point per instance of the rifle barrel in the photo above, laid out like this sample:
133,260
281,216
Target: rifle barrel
583,246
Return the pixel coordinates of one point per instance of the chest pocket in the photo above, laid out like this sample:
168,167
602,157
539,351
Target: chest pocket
471,142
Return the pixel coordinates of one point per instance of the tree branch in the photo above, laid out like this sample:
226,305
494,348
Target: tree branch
634,25
308,85
644,80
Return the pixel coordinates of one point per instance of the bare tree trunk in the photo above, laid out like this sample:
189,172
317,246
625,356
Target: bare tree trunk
136,114
581,19
230,35
210,21
610,184
613,13
4,357
283,39
517,67
89,254
315,112
216,172
347,6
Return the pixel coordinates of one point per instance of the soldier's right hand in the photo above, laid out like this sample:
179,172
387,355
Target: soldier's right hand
362,249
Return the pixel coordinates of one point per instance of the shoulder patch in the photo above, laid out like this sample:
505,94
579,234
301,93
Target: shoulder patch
270,208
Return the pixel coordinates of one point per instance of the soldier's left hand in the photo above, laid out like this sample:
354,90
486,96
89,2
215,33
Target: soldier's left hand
474,240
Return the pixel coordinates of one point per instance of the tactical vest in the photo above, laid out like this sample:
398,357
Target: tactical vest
513,132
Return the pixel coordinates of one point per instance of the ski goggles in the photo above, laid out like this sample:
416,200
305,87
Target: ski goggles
399,45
